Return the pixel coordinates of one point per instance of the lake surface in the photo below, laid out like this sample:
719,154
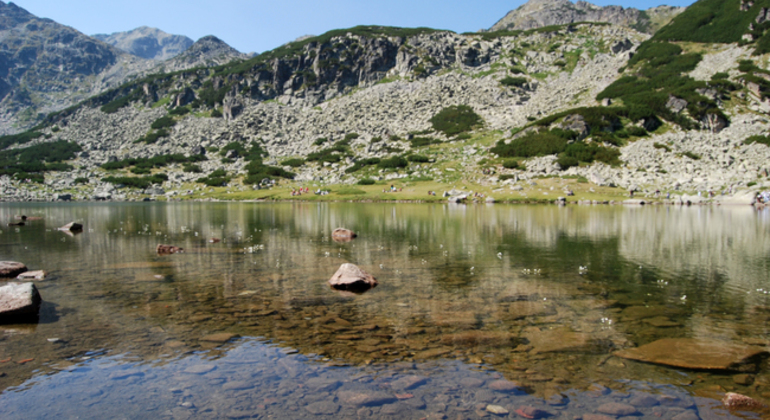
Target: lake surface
479,309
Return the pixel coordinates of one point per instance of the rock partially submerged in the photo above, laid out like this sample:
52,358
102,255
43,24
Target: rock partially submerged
733,401
168,249
10,269
343,235
691,353
18,301
352,278
32,275
72,227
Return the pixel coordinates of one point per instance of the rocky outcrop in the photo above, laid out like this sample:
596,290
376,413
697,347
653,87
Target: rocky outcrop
148,43
206,52
540,13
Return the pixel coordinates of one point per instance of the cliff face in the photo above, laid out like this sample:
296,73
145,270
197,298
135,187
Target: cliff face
540,13
148,43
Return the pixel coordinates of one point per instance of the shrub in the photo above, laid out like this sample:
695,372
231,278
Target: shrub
195,169
137,182
319,141
361,164
758,139
661,146
637,131
510,163
215,113
181,110
376,139
393,163
691,155
505,177
513,81
351,136
418,158
366,181
81,180
566,162
423,141
455,120
294,163
532,144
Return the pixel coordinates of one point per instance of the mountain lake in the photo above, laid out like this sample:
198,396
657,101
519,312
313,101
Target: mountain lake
496,311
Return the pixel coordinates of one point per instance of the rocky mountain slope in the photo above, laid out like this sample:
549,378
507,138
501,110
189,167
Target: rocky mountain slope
208,51
148,43
540,13
595,102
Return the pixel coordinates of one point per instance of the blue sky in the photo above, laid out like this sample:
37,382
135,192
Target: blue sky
257,26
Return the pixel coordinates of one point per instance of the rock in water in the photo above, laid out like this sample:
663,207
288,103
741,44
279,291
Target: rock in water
692,353
168,249
32,275
352,278
11,268
18,300
343,235
733,401
72,227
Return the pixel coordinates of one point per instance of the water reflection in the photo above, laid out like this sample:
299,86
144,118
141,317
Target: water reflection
493,290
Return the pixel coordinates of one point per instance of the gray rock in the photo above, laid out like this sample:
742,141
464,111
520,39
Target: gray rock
352,278
18,300
10,269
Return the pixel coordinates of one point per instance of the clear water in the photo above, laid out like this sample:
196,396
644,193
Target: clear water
469,298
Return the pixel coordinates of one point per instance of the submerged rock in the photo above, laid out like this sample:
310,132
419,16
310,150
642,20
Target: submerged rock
18,300
691,353
32,275
11,268
168,249
352,278
343,235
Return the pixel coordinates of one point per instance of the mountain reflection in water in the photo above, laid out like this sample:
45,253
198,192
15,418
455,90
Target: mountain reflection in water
470,300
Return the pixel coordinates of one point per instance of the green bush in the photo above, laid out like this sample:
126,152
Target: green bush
661,146
351,136
691,155
20,138
510,163
195,169
294,163
82,180
157,161
505,177
637,131
137,182
163,122
376,139
533,144
423,141
393,163
565,162
513,81
366,181
360,164
181,110
418,158
319,141
758,139
215,113
455,120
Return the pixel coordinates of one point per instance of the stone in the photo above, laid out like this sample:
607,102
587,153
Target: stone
343,235
168,249
219,337
503,385
32,275
322,408
72,227
691,353
365,399
562,341
352,278
686,415
591,416
19,300
644,401
524,309
743,379
733,401
530,412
10,269
496,409
200,369
617,409
480,338
409,382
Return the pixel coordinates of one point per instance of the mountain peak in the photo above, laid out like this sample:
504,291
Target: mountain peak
147,42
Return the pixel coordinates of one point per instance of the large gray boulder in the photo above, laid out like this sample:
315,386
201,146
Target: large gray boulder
352,278
18,300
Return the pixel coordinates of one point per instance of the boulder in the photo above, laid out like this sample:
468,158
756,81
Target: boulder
32,275
744,198
343,235
11,268
733,401
72,227
64,197
168,249
352,278
18,300
691,353
676,105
